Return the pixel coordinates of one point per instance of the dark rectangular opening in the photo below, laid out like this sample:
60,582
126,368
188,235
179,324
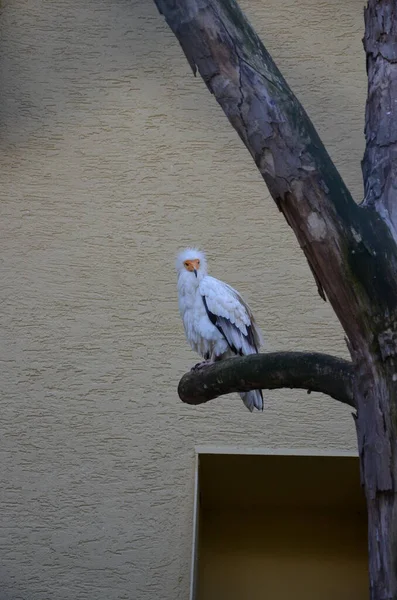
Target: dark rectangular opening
281,527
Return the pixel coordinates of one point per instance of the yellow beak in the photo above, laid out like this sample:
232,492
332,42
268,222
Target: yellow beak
193,265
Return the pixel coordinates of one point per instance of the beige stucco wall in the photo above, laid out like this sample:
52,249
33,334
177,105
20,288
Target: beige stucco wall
111,157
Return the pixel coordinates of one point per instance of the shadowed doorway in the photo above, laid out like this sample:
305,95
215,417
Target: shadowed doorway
281,527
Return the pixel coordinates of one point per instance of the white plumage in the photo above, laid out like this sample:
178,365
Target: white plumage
218,323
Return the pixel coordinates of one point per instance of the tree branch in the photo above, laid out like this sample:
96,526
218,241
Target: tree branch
380,159
305,370
350,250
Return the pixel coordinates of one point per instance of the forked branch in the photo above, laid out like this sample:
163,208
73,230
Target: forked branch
342,242
304,370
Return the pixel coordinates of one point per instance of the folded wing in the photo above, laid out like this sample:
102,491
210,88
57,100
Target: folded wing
231,315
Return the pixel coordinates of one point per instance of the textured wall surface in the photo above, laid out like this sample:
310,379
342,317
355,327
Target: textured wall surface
112,157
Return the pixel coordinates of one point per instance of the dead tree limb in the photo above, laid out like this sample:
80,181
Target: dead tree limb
274,370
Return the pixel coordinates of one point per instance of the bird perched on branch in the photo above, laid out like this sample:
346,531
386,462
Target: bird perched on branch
218,323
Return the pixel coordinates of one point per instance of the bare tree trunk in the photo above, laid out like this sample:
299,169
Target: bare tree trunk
351,249
377,367
374,392
380,158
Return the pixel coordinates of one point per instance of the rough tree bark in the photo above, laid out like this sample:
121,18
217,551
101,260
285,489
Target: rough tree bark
313,372
351,249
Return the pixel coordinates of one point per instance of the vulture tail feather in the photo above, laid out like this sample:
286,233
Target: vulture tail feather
252,399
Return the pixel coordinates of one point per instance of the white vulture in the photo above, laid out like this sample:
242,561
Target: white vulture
218,323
